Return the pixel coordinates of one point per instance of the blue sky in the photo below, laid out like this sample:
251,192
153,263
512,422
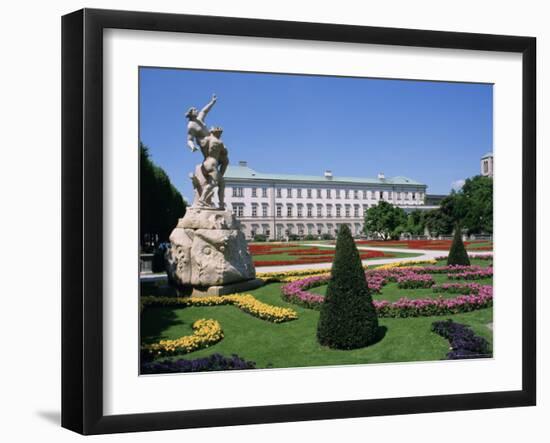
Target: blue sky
432,132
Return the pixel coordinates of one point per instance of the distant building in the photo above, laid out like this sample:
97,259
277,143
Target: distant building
487,165
434,200
279,205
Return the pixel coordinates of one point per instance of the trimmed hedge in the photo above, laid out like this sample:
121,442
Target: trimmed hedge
348,319
457,253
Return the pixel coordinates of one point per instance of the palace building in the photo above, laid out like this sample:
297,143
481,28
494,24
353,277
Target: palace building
487,164
281,205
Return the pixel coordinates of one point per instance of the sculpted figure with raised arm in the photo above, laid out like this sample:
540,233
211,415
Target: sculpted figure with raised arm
209,174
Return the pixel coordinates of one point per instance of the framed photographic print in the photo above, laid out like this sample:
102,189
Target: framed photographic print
269,221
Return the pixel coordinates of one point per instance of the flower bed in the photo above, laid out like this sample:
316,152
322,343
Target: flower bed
457,288
303,254
464,343
296,291
245,302
206,333
297,274
471,256
432,245
288,276
214,362
472,275
414,281
476,296
324,257
452,269
427,307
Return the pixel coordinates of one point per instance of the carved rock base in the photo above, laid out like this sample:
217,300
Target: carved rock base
231,288
208,250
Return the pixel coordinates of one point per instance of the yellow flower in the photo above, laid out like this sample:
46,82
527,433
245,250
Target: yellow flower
206,332
245,302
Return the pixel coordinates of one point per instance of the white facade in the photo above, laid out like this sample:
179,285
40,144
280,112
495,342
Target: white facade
282,205
487,165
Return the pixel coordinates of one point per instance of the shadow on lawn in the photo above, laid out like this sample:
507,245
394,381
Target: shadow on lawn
156,320
380,334
158,289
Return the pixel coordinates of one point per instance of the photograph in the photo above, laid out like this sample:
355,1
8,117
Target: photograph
296,220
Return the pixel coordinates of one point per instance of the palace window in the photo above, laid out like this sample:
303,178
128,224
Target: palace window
319,210
279,210
355,194
329,193
356,210
348,210
253,192
300,210
289,210
309,193
264,192
299,192
346,193
279,195
329,210
318,193
254,209
238,210
337,193
237,192
310,211
265,210
338,210
289,192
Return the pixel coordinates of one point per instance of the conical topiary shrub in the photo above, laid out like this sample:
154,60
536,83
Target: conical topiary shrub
348,318
457,253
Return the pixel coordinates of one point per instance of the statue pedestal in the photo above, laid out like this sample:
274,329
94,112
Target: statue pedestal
231,288
209,254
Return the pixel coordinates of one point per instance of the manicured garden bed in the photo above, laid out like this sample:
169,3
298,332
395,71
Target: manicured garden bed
432,245
293,343
279,254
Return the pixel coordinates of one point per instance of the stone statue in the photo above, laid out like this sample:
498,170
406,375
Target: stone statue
208,253
209,174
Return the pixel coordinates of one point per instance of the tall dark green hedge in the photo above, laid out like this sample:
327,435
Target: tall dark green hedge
348,318
161,204
458,254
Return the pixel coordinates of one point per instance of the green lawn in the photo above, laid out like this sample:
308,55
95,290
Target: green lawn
293,344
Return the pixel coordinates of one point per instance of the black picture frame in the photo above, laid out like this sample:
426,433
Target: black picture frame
82,219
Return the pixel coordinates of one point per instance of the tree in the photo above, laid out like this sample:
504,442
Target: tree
457,253
385,220
348,318
438,223
416,223
472,206
477,193
161,204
